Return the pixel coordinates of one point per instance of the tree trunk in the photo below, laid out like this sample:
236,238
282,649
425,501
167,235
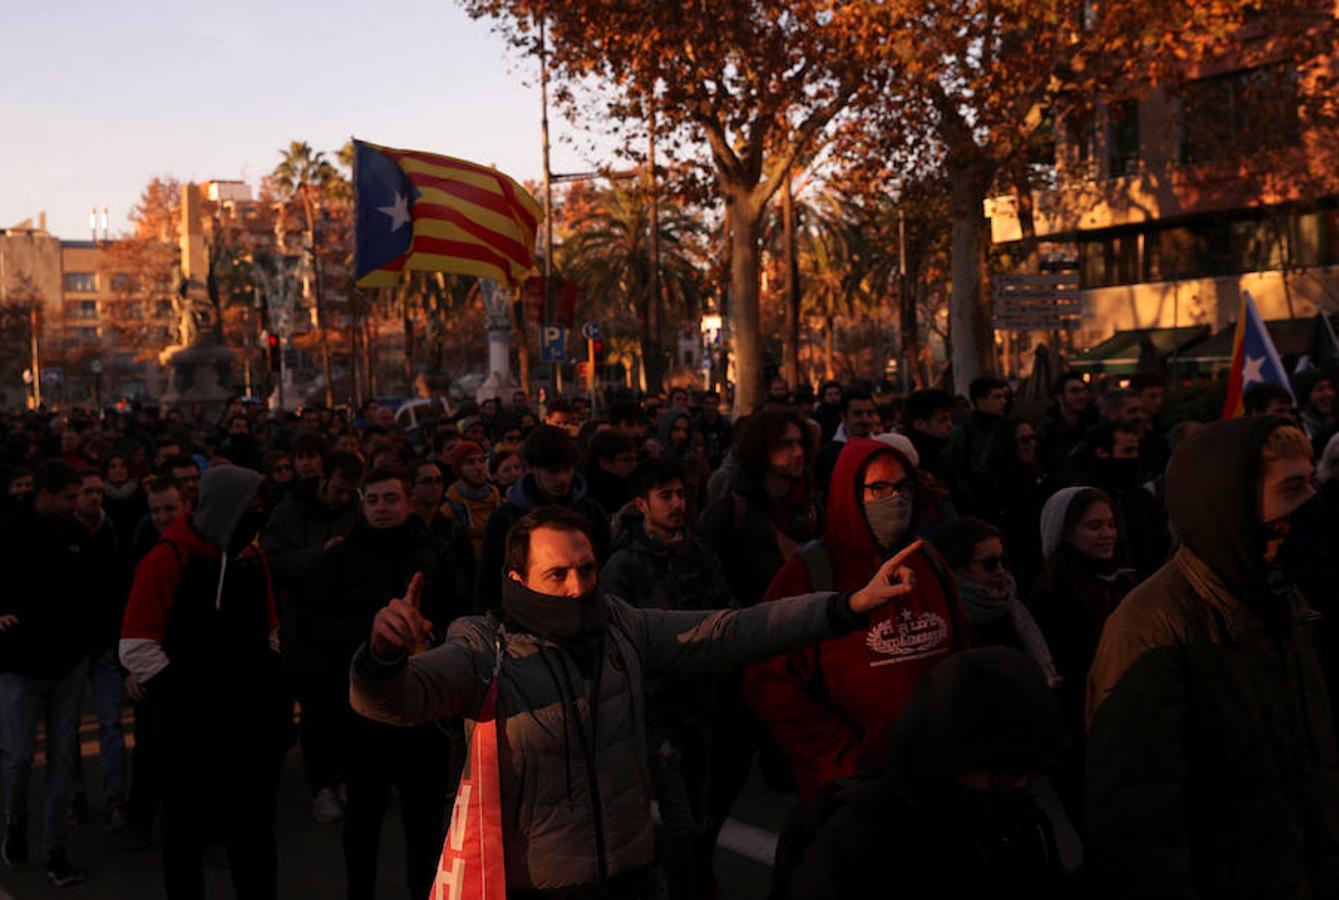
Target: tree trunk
646,346
355,370
745,262
829,349
369,354
972,351
407,320
791,342
523,361
654,306
319,294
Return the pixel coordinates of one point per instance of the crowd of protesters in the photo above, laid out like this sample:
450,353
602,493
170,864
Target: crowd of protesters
1085,650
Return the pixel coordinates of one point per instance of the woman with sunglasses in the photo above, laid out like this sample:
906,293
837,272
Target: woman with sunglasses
975,551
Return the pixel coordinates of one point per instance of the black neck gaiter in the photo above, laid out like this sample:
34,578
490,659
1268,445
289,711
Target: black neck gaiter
563,620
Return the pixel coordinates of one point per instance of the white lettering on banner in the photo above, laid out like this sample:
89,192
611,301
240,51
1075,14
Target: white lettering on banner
450,884
907,636
458,813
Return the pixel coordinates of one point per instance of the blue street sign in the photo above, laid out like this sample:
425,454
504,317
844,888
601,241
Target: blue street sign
591,331
552,343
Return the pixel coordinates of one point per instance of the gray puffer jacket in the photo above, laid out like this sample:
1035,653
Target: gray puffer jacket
576,794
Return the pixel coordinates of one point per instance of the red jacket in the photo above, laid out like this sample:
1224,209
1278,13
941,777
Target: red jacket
154,593
832,706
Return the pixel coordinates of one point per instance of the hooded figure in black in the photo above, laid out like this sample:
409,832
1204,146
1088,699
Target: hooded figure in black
963,810
1211,753
201,636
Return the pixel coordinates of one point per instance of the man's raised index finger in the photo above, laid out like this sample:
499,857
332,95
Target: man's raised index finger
414,594
896,562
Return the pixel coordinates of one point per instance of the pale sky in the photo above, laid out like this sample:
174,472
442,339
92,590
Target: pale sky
96,98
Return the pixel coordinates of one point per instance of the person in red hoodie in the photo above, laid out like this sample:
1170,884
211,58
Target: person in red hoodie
832,705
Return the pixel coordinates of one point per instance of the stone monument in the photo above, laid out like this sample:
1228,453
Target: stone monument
199,366
497,310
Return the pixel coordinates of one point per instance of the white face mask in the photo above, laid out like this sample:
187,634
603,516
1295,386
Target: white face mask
888,518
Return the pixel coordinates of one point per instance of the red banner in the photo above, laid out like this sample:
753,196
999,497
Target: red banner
472,865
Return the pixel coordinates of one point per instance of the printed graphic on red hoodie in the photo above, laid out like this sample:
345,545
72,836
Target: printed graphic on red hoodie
832,706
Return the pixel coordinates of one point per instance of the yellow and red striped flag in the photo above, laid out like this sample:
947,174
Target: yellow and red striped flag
427,212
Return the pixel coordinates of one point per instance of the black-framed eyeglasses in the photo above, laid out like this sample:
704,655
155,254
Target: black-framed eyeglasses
993,564
882,490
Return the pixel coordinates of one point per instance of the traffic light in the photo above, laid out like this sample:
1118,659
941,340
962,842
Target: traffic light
276,354
599,351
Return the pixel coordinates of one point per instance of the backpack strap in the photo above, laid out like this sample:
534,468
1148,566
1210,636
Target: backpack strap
819,563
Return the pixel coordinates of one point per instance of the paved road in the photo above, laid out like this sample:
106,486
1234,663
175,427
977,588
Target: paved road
310,861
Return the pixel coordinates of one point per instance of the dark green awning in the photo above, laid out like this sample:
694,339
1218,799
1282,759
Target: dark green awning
1120,354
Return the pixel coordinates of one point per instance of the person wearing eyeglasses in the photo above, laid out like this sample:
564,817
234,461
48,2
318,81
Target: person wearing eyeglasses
975,551
832,706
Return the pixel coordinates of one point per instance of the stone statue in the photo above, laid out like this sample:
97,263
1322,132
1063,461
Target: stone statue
194,314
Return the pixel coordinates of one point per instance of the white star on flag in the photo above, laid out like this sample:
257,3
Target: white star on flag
1252,370
398,211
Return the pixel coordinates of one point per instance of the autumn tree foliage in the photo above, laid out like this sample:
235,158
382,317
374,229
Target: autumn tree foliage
746,86
143,270
970,84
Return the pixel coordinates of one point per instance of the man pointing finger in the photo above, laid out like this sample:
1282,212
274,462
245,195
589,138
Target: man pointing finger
573,662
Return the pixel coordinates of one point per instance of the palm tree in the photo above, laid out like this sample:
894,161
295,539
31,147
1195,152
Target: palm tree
849,256
609,256
306,175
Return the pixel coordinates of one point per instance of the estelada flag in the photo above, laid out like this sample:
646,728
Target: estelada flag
431,213
472,866
1254,359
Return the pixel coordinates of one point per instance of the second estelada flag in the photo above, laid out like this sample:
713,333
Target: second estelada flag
1254,358
426,212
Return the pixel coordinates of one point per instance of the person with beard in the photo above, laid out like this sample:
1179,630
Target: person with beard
1010,490
612,456
832,706
314,518
961,807
656,564
1081,585
827,412
1211,749
969,440
201,637
1116,469
570,664
550,456
355,578
1315,394
858,420
674,434
239,446
975,551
